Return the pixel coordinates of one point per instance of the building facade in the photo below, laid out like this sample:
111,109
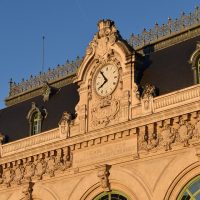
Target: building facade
123,123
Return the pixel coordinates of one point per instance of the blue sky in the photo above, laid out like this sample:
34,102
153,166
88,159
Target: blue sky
68,26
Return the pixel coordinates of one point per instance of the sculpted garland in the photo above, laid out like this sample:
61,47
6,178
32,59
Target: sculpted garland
36,167
183,130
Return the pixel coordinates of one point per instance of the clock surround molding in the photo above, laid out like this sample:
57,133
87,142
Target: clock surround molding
95,111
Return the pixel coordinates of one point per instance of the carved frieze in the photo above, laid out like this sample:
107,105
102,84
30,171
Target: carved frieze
34,168
41,166
182,130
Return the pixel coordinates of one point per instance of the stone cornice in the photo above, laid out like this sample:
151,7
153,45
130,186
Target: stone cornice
28,146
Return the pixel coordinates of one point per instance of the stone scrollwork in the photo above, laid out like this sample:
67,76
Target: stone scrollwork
29,170
106,37
167,136
185,132
64,124
105,111
179,131
51,165
27,190
8,176
40,168
147,95
37,167
19,172
103,175
67,158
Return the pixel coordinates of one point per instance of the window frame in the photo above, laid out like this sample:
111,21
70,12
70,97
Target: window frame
38,123
186,189
110,193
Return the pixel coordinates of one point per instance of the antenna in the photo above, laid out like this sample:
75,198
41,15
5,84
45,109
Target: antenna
43,38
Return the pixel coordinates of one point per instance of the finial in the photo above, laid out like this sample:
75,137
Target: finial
105,23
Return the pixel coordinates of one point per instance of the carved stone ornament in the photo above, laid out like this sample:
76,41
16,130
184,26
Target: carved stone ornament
167,136
2,137
27,190
106,37
147,96
179,131
195,56
64,124
104,111
29,170
34,108
51,164
185,132
46,91
103,175
8,176
19,173
41,166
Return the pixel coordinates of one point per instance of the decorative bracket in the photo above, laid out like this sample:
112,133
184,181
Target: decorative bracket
103,175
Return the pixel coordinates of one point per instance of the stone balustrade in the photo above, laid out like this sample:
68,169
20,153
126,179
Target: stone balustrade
174,99
31,142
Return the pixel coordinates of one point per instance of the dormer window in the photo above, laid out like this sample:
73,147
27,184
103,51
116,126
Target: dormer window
35,117
195,61
198,71
36,123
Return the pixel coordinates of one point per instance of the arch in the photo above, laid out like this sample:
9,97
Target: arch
114,193
195,62
181,180
119,48
40,192
120,180
105,41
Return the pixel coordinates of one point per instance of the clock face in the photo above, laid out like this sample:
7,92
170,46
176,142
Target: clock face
106,80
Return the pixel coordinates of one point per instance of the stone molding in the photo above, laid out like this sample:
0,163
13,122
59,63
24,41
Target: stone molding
36,167
173,99
162,103
168,127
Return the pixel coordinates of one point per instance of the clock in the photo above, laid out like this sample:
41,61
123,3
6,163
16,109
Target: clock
106,80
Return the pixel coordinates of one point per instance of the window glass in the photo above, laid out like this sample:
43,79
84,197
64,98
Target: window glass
35,123
191,191
113,195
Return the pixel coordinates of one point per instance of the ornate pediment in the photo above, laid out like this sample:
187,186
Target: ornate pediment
104,42
106,78
106,37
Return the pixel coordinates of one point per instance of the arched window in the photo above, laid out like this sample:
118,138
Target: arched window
198,71
113,195
35,118
195,62
36,123
191,191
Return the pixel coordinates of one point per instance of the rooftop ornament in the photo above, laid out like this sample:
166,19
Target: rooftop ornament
160,31
61,71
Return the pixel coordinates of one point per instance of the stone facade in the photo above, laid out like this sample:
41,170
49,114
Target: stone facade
144,146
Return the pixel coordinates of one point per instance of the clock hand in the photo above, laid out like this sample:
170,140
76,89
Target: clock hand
104,76
102,84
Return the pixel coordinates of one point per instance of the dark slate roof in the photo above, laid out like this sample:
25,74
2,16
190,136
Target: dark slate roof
14,124
168,69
